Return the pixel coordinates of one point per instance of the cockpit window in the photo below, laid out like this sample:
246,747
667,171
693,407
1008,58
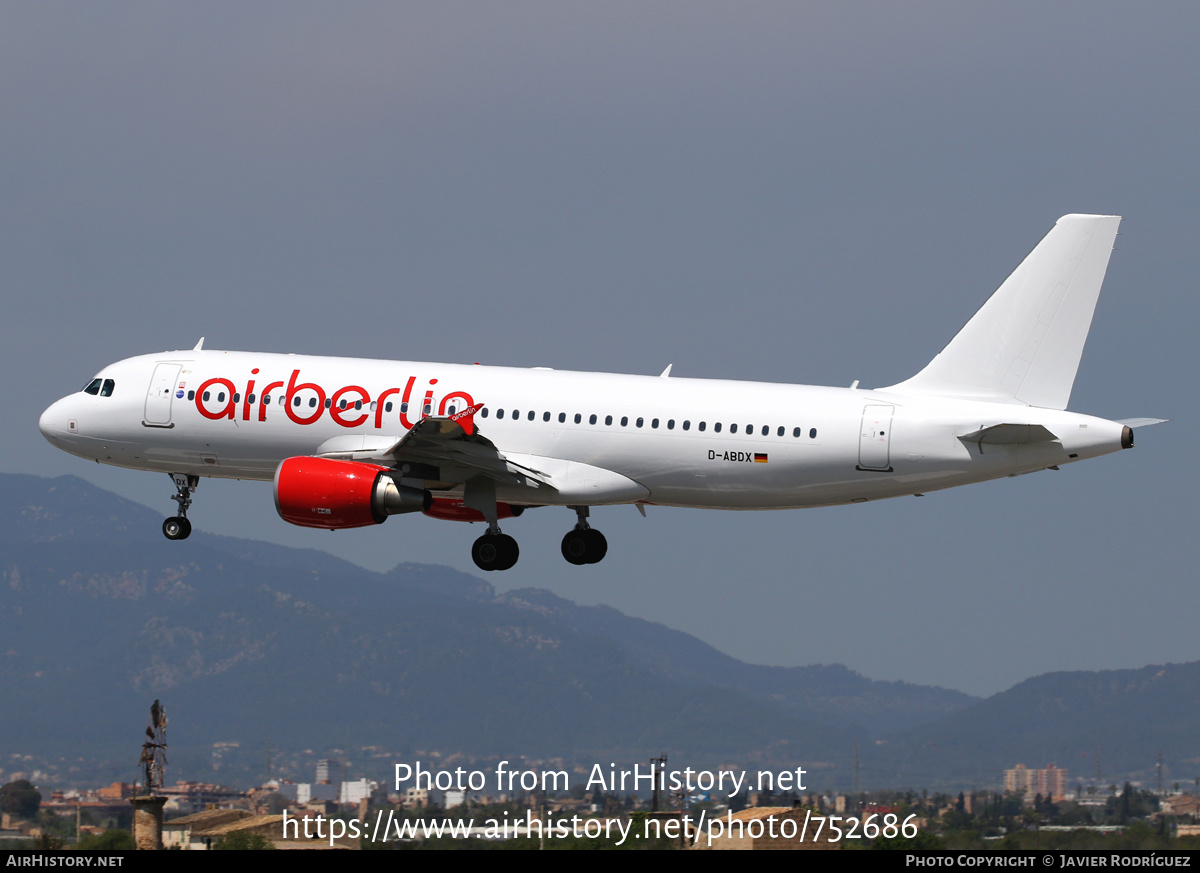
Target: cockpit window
93,387
106,389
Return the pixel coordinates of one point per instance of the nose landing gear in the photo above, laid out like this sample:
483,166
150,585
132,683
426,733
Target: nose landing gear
584,544
177,527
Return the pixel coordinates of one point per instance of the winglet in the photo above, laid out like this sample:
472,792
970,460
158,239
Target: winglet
666,373
199,346
466,418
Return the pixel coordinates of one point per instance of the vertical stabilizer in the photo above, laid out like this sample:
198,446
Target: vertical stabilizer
1024,345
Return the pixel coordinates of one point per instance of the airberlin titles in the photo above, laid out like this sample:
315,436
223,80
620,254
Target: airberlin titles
350,406
345,405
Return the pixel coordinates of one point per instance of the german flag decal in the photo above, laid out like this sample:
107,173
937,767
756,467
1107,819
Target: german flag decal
760,457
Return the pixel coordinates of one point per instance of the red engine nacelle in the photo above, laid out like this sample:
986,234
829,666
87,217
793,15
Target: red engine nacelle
331,494
452,509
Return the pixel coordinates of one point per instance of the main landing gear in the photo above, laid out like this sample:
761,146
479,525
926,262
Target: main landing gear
495,550
584,544
177,527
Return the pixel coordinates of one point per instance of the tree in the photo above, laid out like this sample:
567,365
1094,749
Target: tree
113,839
20,799
242,841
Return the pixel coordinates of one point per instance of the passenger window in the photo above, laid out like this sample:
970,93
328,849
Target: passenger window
608,420
545,416
624,421
204,396
192,396
766,431
404,406
250,399
93,387
295,402
578,418
237,398
732,428
516,413
107,389
499,413
428,409
562,417
220,397
387,407
671,424
358,404
812,434
484,412
639,422
654,422
795,431
717,427
312,401
373,403
687,425
702,425
592,418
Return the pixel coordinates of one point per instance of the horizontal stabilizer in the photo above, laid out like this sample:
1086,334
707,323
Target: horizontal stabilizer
1025,343
1141,422
1009,435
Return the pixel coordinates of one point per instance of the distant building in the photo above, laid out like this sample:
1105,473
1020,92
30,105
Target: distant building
354,792
330,771
1050,782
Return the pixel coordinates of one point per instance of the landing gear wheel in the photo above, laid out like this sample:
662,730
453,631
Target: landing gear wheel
584,546
177,528
495,552
597,545
575,547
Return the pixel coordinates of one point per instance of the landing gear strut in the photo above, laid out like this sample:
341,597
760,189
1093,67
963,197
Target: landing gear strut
177,527
495,550
584,544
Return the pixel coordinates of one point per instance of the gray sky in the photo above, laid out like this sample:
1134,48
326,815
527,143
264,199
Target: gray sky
776,191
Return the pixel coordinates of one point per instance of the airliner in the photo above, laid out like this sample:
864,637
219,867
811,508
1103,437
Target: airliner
349,442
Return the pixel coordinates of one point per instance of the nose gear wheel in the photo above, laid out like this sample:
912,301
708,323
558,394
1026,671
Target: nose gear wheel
177,527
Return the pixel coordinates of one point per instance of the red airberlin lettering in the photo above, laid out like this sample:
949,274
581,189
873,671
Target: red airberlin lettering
229,410
292,388
265,398
404,403
356,397
336,413
249,396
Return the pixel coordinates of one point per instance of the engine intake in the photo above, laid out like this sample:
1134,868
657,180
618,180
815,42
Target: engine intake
333,494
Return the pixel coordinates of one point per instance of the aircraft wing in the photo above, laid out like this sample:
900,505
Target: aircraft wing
450,443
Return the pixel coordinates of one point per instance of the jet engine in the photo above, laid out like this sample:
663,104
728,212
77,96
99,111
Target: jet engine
332,494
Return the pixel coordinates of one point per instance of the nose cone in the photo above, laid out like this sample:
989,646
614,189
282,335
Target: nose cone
53,423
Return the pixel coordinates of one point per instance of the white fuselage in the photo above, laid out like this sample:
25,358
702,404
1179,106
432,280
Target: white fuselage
672,441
